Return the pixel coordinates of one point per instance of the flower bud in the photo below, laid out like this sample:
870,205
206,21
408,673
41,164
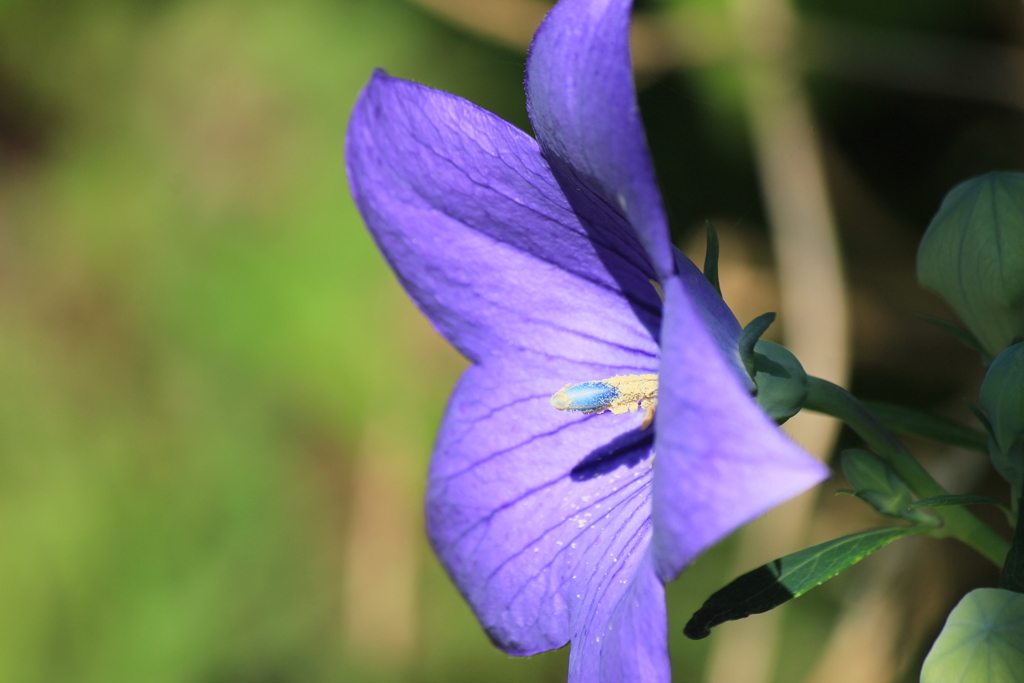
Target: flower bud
877,484
780,380
1002,400
972,255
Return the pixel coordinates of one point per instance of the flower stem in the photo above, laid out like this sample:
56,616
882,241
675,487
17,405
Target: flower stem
830,399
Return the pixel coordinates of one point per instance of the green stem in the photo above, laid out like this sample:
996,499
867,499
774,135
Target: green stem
828,398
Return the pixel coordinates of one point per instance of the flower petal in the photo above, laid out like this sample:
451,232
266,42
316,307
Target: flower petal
716,315
582,102
720,461
467,213
535,531
625,638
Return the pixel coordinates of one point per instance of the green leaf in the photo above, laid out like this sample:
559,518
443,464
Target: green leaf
711,258
965,337
789,577
951,499
1012,576
980,415
1001,399
982,641
911,422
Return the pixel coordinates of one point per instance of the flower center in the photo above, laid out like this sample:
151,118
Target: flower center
619,394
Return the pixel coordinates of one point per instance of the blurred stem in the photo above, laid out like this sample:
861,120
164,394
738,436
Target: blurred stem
809,268
794,185
831,399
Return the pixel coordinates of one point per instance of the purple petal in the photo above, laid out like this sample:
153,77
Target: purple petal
584,111
582,103
540,517
626,635
467,213
720,461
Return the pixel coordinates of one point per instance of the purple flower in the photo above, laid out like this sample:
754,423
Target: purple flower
541,261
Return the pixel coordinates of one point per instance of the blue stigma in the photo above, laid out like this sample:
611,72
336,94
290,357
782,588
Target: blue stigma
585,397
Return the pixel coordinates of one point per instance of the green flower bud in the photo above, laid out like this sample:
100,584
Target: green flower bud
1002,400
973,257
780,380
877,484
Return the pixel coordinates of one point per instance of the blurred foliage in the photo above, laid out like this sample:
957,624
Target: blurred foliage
197,331
206,364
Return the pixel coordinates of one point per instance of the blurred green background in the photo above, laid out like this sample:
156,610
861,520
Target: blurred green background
217,405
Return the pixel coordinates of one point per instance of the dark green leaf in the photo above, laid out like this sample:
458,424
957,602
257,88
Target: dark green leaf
1001,399
789,577
981,416
942,501
965,337
711,258
1012,576
950,499
924,425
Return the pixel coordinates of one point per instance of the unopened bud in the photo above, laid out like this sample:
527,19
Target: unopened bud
972,255
877,484
780,380
1002,400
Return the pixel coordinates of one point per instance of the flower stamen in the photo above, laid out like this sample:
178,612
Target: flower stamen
619,394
